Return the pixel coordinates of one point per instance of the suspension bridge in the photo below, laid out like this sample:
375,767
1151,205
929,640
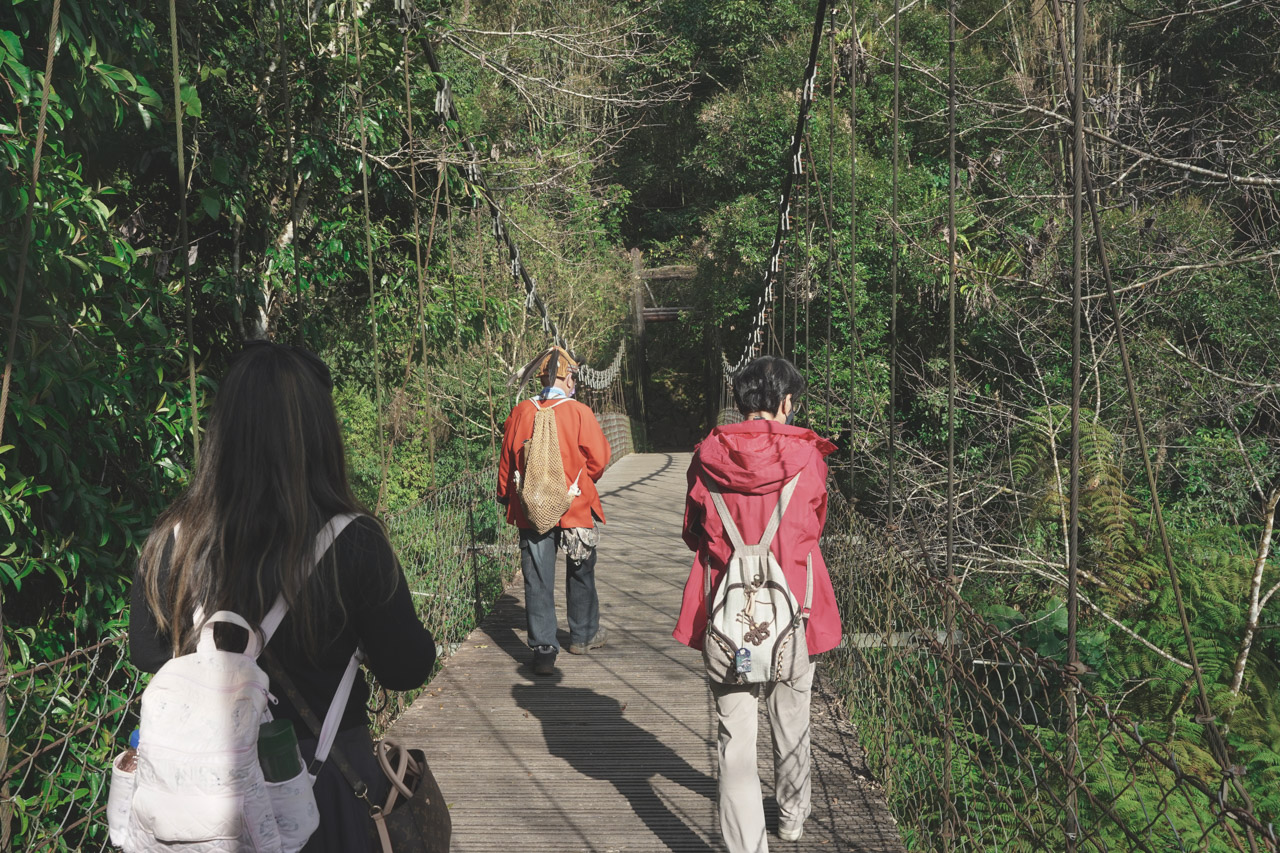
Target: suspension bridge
935,727
617,750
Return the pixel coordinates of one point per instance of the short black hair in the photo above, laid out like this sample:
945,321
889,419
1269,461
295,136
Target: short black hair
765,383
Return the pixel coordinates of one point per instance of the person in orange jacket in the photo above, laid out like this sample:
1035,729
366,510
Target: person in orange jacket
585,453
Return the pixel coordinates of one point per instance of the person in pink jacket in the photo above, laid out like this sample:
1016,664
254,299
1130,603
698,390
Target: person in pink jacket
750,462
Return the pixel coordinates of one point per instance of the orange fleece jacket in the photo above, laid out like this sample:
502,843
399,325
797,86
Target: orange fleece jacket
583,447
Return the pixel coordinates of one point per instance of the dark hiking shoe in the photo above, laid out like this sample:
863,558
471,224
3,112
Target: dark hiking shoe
595,642
544,660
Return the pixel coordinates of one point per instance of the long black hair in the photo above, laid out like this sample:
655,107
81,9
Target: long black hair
271,474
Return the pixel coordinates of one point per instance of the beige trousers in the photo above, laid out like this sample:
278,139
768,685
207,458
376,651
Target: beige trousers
741,800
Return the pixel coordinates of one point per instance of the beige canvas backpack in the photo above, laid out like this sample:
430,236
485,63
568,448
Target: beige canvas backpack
755,624
542,484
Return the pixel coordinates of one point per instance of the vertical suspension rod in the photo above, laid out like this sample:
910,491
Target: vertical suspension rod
828,407
893,266
949,827
184,238
808,262
852,295
368,248
1071,830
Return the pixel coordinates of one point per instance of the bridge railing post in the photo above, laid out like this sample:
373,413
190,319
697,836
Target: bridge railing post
637,307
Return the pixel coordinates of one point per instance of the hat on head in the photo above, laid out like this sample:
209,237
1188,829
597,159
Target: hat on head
555,364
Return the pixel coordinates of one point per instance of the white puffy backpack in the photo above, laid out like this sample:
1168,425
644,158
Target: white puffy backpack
198,786
755,625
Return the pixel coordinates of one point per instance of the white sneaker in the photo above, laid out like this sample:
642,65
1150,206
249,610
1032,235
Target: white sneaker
792,831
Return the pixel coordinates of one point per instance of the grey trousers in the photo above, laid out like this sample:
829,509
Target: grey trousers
538,562
741,800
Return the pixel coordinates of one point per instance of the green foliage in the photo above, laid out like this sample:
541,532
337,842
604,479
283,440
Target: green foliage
98,434
1201,334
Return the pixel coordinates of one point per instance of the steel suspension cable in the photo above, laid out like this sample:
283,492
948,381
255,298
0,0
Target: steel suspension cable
447,111
368,248
184,237
1205,717
755,336
28,226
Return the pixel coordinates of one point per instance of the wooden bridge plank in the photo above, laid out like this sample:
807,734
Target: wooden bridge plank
616,752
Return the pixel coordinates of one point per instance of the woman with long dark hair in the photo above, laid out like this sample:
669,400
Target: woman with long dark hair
272,474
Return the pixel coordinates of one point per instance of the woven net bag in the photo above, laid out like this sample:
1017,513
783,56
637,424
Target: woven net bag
542,486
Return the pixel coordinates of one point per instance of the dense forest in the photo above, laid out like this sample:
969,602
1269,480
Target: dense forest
319,196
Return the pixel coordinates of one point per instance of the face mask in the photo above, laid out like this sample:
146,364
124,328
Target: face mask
791,417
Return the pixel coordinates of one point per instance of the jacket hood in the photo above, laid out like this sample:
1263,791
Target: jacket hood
758,457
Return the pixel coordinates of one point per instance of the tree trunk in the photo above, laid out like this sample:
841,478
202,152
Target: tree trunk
1255,588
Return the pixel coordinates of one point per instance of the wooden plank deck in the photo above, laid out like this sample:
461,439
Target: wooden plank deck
616,752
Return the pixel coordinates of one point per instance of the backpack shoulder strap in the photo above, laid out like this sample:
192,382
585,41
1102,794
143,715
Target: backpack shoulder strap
535,401
270,622
324,540
783,502
328,731
735,535
775,521
730,527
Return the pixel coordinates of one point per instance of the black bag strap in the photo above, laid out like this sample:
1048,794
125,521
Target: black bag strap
358,786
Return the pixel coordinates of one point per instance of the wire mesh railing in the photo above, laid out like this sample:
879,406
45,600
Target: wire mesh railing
605,392
969,727
66,718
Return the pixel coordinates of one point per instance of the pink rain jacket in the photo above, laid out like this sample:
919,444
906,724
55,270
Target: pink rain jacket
751,461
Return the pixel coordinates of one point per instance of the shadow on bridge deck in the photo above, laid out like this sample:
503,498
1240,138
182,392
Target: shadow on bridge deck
616,752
